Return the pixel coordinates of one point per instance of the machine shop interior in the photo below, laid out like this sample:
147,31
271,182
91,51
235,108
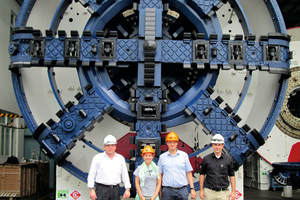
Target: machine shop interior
74,71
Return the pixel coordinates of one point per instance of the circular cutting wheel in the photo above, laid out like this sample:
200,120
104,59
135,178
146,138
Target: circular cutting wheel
153,65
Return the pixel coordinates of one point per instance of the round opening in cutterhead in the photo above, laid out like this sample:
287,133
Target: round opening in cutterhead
293,102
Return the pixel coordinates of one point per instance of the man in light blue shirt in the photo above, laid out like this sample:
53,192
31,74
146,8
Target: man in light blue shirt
176,171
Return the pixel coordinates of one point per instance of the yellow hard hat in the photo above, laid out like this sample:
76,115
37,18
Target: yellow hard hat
148,149
172,136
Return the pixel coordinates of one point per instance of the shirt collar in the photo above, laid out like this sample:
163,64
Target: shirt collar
108,156
214,156
177,153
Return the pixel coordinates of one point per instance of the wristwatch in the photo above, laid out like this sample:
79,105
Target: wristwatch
192,188
91,188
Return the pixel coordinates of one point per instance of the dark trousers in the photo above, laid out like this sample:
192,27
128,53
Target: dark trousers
107,193
174,194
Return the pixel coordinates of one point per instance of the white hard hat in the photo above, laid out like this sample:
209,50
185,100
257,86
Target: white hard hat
218,138
110,139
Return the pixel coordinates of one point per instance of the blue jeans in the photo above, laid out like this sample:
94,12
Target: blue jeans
174,194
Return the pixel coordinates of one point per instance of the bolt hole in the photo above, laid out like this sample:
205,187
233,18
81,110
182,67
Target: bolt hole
70,19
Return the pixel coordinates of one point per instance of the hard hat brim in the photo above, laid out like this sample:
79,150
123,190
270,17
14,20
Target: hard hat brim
110,143
219,142
148,152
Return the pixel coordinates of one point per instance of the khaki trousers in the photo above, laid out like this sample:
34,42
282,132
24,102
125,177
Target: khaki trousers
214,195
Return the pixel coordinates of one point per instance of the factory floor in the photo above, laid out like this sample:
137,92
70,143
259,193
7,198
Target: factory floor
255,194
250,194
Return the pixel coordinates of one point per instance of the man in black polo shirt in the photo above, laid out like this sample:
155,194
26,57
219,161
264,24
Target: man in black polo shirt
217,167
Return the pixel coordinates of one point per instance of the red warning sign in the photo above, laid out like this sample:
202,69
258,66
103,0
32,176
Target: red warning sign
237,194
75,195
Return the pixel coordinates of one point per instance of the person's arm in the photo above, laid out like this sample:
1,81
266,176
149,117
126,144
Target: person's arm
125,179
232,182
157,189
93,195
160,192
231,173
160,166
138,188
203,172
91,179
201,183
189,176
126,194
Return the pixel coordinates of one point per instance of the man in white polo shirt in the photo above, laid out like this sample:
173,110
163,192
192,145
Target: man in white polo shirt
106,170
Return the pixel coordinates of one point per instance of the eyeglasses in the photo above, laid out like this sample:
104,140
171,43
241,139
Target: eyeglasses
217,140
110,145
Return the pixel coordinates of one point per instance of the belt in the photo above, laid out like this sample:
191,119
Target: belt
175,188
219,189
109,186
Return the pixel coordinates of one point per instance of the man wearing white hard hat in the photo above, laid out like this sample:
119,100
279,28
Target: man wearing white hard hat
215,170
107,169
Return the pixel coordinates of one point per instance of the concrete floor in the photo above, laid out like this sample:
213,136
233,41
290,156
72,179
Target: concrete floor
255,194
250,194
